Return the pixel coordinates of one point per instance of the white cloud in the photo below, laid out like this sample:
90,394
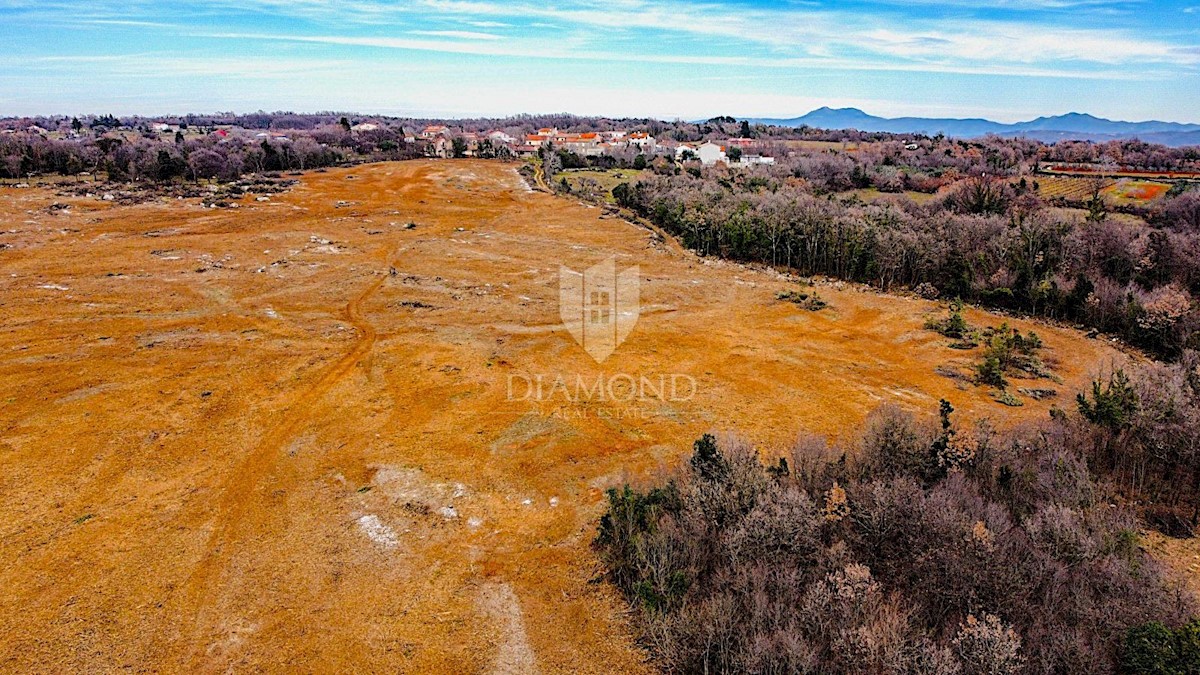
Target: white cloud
1019,44
460,34
543,50
717,39
889,36
795,30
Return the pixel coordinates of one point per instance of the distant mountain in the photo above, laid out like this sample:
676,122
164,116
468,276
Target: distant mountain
1072,126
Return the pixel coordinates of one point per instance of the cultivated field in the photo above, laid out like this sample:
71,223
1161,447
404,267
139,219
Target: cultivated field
1135,192
1118,191
281,437
1070,188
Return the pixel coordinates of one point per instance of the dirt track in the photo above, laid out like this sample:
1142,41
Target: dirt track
280,436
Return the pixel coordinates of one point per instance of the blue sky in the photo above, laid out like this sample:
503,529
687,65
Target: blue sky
1016,59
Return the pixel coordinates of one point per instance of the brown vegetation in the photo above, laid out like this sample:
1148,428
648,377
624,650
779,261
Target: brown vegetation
907,549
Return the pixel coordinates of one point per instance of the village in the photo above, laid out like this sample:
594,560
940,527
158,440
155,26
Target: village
441,141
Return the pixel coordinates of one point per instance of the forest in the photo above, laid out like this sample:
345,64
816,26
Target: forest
924,547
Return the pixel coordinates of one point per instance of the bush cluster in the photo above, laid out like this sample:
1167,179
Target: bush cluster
914,548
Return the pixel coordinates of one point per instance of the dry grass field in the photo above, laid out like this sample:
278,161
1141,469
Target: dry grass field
280,437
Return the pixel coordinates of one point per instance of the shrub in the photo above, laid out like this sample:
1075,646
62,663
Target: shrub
1112,405
810,301
954,325
1007,351
990,371
1154,649
988,647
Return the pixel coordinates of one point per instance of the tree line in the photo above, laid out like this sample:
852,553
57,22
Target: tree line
987,240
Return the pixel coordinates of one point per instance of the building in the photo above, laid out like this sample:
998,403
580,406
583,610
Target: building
365,126
497,137
439,146
751,160
641,140
710,153
580,144
434,131
588,143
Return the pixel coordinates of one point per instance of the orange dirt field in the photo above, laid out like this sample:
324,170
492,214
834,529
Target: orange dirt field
279,437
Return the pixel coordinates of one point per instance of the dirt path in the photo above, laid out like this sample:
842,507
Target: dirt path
233,440
513,653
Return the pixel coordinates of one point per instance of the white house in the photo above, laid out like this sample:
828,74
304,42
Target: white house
365,126
750,160
684,151
498,137
439,146
434,131
710,153
641,140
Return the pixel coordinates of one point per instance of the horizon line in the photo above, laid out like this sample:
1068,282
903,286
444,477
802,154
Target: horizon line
678,118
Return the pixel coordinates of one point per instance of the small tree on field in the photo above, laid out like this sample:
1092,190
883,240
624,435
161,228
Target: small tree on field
1111,406
954,325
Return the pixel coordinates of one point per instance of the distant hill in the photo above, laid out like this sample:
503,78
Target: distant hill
1072,126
